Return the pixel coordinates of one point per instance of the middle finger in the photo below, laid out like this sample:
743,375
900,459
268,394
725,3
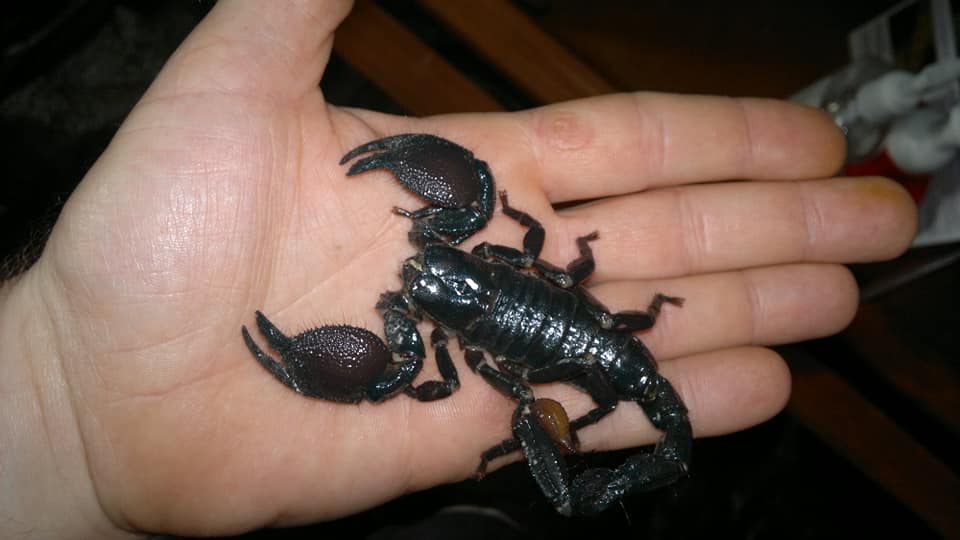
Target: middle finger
717,227
758,306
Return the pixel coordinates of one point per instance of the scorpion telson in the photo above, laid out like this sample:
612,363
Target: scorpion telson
536,321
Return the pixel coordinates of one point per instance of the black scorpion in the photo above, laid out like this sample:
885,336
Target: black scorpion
537,321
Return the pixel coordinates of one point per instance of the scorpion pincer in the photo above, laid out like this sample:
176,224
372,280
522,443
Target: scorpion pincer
535,319
458,186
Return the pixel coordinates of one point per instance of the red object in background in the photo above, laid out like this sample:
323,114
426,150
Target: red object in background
880,164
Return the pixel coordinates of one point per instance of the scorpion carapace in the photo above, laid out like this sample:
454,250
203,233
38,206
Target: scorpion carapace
535,319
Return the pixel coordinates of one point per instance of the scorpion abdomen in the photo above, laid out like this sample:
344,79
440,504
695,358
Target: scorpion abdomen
533,321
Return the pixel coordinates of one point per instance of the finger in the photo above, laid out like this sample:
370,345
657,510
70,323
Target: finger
624,143
710,228
759,306
273,49
630,142
725,391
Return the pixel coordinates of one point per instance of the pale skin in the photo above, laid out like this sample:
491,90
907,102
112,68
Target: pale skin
130,403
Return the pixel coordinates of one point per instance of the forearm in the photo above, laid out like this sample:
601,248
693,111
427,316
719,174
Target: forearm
45,487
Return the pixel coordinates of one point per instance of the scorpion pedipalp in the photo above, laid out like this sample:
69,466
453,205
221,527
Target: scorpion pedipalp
347,364
458,186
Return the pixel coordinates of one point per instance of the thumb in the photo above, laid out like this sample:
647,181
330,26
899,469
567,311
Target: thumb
274,50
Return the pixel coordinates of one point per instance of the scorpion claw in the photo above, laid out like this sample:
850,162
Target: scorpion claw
458,186
337,363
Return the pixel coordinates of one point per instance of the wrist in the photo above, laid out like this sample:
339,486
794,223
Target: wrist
46,490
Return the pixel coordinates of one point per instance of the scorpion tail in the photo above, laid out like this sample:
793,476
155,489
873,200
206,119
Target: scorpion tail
596,489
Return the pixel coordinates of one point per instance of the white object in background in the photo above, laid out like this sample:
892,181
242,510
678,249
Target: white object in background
867,96
874,49
925,140
895,93
835,92
940,210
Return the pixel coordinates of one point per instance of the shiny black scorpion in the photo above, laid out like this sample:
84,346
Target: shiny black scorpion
535,319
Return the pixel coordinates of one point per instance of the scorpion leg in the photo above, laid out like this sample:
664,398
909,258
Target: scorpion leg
431,390
561,370
504,448
507,383
583,373
442,225
625,321
403,339
553,422
629,321
576,272
540,428
532,240
595,382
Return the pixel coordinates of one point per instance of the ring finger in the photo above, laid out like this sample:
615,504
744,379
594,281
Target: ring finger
728,226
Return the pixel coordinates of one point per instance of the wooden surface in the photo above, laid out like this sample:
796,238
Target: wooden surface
533,59
748,47
396,60
859,431
926,378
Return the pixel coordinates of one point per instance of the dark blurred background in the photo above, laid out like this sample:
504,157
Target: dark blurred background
869,444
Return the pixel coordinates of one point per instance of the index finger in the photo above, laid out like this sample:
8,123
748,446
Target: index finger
272,49
631,142
624,143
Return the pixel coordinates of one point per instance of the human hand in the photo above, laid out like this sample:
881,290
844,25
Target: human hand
133,404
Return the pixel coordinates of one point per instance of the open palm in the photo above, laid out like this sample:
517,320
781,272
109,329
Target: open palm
222,194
